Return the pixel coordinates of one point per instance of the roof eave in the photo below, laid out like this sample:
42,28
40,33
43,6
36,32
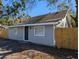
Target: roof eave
36,24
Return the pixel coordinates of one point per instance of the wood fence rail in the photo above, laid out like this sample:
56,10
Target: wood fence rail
66,38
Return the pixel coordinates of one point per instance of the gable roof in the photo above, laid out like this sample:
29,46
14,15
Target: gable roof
47,19
51,17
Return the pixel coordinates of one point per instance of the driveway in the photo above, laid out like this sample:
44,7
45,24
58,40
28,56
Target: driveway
10,49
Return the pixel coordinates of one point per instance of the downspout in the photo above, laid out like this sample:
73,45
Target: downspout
54,40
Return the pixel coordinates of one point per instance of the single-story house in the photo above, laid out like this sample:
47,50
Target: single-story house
40,29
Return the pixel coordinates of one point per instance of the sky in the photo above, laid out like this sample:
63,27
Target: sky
41,8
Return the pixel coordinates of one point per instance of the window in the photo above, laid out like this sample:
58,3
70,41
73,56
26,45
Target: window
39,31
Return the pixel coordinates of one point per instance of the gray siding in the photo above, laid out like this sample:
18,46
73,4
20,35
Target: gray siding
16,33
45,40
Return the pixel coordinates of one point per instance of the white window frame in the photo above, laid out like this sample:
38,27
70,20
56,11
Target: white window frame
42,31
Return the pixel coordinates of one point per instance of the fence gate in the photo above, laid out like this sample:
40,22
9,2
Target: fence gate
66,38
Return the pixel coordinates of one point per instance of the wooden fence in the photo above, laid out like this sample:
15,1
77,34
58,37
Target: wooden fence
3,33
67,38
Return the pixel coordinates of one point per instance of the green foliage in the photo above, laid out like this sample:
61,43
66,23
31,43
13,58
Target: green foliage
73,23
63,5
14,9
52,1
75,20
16,4
21,6
6,22
1,4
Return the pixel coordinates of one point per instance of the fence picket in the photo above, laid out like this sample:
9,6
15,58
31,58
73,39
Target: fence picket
66,38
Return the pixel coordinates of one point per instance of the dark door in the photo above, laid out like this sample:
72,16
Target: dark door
26,33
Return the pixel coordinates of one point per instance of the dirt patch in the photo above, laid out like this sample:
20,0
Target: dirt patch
31,54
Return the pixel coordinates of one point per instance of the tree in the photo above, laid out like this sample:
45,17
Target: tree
12,10
20,6
6,21
76,18
63,6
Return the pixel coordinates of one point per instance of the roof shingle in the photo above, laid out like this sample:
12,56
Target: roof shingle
51,17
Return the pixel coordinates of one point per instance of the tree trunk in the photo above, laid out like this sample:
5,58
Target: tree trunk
76,19
0,7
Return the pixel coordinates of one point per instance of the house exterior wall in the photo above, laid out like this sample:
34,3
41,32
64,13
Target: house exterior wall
16,33
48,39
